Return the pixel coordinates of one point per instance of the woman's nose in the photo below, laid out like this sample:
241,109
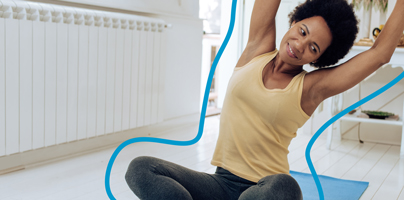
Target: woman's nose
300,44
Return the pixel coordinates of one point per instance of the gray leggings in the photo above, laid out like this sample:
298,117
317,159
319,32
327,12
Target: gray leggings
155,179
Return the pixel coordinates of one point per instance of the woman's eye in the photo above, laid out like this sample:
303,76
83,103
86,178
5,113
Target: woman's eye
314,49
303,32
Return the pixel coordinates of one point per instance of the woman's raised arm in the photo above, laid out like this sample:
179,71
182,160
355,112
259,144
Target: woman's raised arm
387,40
338,79
263,20
262,34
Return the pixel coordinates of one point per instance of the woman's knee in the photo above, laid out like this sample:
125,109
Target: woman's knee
281,184
139,168
142,162
279,178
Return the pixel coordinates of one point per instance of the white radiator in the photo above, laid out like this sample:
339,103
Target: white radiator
68,74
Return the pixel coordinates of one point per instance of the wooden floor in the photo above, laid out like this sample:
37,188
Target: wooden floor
83,177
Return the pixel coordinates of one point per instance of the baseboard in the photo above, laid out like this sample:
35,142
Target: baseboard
54,153
13,169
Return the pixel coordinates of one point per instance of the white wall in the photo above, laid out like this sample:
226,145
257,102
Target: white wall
184,47
175,7
183,68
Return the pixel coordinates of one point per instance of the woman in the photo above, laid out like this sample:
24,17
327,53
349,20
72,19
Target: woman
268,98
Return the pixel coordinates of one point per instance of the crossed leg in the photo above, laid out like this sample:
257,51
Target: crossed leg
152,178
274,187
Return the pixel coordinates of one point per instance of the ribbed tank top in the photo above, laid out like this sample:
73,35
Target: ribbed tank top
257,124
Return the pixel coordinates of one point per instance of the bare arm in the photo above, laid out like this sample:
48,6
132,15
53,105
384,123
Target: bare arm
262,32
263,20
387,40
335,80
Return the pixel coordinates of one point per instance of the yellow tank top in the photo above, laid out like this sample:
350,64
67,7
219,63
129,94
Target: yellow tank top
257,124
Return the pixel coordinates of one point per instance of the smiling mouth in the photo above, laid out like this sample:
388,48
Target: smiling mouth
291,53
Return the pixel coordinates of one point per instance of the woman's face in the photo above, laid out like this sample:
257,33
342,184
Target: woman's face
305,41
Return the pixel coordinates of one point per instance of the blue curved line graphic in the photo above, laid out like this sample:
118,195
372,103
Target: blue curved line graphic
335,118
203,112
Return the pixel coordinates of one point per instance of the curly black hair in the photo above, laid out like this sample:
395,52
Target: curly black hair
341,20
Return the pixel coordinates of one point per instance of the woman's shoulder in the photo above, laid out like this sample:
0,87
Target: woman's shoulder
249,55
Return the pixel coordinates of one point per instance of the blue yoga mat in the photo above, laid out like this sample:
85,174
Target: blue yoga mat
334,188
